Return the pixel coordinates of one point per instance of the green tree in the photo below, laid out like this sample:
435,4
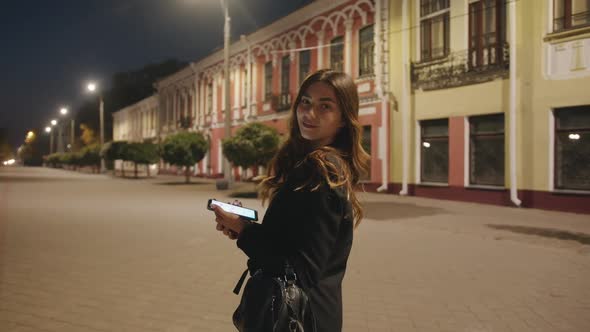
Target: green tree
112,151
90,156
253,145
141,154
88,135
184,149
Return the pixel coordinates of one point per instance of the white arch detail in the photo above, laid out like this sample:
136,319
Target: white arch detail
282,42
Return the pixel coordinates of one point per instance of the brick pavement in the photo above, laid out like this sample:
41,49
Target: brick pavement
92,253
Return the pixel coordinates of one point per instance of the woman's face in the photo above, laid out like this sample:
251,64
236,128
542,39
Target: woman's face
318,114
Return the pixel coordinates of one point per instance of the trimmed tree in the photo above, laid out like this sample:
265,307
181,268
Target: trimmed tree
90,156
141,154
112,151
253,145
184,149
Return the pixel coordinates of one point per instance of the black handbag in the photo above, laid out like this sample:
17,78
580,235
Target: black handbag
273,303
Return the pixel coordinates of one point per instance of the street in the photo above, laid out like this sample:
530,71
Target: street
90,252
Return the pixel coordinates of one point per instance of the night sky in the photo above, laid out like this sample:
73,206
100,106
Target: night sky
49,49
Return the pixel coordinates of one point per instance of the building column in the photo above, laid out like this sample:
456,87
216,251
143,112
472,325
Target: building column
185,105
348,47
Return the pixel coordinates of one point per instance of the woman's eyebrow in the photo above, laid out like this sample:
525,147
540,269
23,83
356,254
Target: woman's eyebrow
327,99
305,95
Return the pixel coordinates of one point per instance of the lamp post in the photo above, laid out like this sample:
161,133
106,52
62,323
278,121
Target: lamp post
92,88
226,33
53,123
48,130
64,111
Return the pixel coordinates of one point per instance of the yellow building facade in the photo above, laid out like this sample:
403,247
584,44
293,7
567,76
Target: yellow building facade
491,101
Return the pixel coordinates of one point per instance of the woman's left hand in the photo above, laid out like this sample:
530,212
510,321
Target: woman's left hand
230,224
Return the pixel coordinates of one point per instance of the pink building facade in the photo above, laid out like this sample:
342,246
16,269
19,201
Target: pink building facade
266,69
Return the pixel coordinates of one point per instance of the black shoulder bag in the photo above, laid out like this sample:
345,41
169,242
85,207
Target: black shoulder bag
273,303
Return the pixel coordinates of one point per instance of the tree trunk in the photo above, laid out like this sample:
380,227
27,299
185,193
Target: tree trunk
123,168
135,167
147,167
187,174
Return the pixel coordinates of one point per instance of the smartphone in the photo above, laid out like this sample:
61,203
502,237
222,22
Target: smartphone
246,213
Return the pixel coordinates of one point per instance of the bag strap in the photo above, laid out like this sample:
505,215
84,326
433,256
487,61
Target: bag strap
290,275
240,282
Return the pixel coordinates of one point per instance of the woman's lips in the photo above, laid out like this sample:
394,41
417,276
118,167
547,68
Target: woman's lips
307,125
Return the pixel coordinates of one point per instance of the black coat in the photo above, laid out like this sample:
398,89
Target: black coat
313,230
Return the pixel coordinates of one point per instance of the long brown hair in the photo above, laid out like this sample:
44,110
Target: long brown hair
352,160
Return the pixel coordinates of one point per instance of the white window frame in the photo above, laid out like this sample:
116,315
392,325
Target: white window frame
419,19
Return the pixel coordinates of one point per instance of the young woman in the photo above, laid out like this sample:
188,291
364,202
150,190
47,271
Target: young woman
313,208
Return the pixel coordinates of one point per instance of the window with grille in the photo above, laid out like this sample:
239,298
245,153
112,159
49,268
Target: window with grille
337,54
366,50
209,98
434,29
285,69
487,32
304,64
267,80
568,14
434,151
366,143
285,98
572,148
486,150
245,86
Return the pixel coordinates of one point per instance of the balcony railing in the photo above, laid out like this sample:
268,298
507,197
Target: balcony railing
462,68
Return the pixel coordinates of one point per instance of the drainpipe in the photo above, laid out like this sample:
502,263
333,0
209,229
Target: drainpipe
405,97
513,181
379,72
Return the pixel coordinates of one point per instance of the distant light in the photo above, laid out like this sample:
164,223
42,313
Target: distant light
53,122
30,137
69,146
91,87
47,129
63,111
11,161
574,136
426,144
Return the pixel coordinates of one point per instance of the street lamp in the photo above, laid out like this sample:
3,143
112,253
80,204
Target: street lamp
92,88
64,111
226,34
48,130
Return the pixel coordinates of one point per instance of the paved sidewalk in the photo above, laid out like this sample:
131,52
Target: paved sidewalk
95,253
